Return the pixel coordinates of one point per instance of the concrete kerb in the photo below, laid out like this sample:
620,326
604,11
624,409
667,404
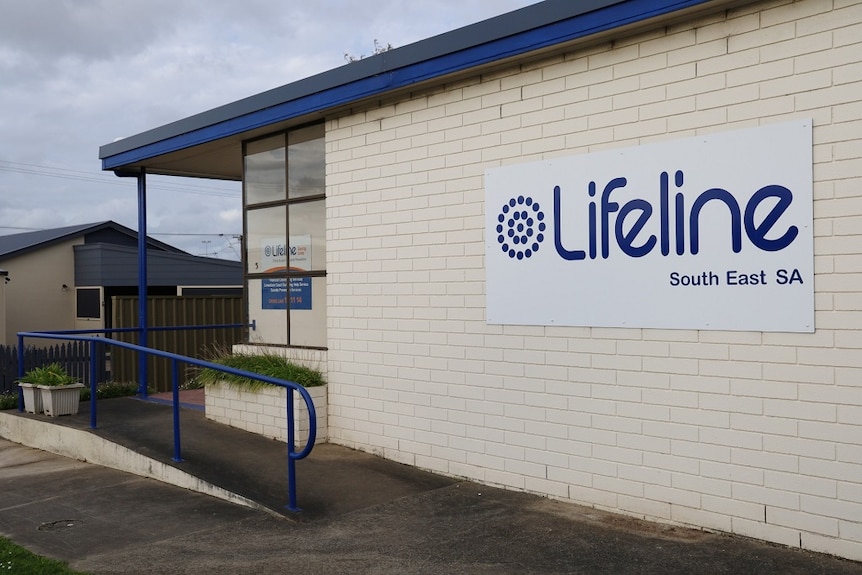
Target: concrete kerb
88,447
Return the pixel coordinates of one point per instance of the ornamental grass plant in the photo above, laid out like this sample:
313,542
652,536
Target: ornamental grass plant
51,375
268,364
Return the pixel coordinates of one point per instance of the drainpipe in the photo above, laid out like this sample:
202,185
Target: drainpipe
141,175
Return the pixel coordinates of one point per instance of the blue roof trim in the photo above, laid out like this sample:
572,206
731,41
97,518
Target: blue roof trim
600,20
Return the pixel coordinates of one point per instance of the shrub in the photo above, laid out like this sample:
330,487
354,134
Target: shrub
110,389
271,365
8,400
106,390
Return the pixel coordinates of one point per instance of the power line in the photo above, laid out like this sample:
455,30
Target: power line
234,236
20,228
77,175
191,234
39,169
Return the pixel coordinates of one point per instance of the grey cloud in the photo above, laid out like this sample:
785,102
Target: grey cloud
88,29
76,74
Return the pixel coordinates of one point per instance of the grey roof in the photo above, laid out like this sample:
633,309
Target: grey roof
209,144
17,244
527,18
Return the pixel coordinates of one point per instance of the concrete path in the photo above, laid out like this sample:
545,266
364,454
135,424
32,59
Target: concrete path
384,518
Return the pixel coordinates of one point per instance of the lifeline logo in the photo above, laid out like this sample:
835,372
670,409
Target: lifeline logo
712,232
641,210
521,227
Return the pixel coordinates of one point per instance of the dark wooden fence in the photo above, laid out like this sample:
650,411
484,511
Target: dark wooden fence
167,311
118,364
74,356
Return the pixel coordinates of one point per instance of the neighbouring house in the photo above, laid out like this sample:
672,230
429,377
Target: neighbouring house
605,251
64,278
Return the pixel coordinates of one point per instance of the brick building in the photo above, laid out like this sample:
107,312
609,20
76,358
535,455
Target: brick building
718,141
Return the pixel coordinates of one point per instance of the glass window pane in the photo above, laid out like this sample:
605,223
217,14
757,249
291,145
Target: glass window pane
307,226
265,171
265,246
306,162
267,305
288,238
308,311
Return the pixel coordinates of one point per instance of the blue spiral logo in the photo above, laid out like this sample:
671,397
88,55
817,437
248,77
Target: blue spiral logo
520,227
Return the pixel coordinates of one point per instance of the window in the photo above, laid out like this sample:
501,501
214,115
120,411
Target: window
88,304
284,193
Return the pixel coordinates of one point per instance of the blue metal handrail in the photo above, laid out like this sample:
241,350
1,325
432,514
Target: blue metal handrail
143,375
137,329
292,455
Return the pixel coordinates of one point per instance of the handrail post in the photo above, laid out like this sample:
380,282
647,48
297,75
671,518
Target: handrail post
176,390
93,384
289,386
291,463
20,372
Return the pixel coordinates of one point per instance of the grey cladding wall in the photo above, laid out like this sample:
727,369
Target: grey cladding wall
112,265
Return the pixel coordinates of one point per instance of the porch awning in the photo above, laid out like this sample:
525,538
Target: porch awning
209,144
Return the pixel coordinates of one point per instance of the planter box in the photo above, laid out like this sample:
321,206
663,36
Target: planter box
263,411
32,397
61,399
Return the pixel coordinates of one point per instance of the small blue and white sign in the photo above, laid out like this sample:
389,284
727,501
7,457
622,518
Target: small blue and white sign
710,232
279,293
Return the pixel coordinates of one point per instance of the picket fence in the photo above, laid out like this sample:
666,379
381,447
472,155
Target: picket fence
74,356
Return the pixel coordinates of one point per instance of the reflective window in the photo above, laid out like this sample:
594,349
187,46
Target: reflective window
285,231
265,175
306,159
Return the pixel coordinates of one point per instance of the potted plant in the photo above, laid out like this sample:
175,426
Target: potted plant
59,392
32,395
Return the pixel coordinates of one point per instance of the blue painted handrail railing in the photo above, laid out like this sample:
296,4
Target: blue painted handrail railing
142,388
292,454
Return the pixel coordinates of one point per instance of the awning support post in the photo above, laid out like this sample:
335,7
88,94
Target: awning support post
142,282
141,175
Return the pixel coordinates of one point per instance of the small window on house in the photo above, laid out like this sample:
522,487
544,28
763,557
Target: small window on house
284,196
88,303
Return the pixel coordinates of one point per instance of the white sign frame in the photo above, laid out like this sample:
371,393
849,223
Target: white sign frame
613,258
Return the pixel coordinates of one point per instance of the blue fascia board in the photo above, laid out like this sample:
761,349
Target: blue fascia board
601,20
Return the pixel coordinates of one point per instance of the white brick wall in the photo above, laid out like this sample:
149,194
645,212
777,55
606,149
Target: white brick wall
754,433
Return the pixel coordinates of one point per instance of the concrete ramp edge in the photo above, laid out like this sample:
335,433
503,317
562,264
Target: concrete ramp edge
90,448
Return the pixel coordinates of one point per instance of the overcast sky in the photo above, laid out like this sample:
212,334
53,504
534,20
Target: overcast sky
78,74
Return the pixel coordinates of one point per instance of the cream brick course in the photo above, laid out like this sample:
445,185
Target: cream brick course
671,365
848,35
672,495
671,463
803,521
761,530
793,13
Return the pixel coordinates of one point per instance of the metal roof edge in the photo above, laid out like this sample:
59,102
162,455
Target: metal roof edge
512,34
157,253
43,238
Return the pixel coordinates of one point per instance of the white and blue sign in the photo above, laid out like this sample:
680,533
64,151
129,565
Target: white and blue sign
710,232
286,293
275,293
